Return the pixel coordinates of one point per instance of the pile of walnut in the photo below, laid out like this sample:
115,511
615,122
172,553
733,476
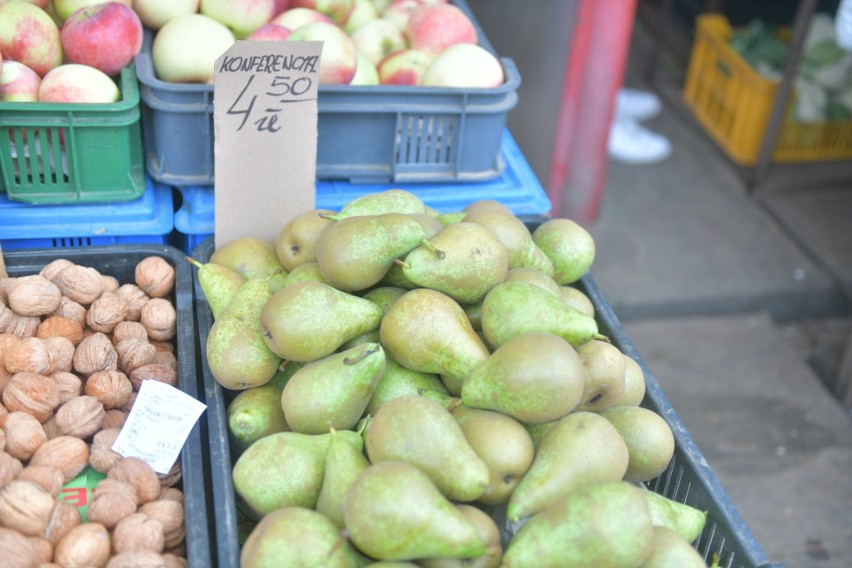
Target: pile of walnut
74,347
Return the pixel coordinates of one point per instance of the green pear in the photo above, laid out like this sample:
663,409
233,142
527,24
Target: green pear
381,202
428,331
384,296
451,217
535,277
634,384
305,272
538,431
310,320
219,284
670,550
502,443
296,242
356,252
534,377
286,370
580,448
603,364
395,277
284,470
333,392
371,336
489,533
540,261
686,520
577,299
514,235
400,381
343,463
255,413
395,512
598,525
568,245
252,258
295,537
649,440
237,354
511,309
431,225
464,261
474,314
391,565
419,431
488,205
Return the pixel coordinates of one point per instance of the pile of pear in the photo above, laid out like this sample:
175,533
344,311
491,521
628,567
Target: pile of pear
415,388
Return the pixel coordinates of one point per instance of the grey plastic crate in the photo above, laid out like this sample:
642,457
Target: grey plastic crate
376,134
688,479
120,261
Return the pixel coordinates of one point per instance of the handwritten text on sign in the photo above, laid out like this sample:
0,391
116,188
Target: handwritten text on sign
265,125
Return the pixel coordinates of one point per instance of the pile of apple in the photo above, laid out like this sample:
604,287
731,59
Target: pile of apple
65,51
365,42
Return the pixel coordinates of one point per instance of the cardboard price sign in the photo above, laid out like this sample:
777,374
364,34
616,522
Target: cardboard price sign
265,128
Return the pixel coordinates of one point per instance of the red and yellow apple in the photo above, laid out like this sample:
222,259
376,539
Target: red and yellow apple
18,83
87,32
362,12
339,59
75,83
270,32
185,50
241,16
64,8
366,73
404,67
337,10
464,65
30,36
432,28
379,37
295,18
155,13
399,11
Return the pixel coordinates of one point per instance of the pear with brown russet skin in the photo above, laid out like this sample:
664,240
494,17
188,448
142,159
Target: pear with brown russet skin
604,369
296,242
515,236
578,299
649,440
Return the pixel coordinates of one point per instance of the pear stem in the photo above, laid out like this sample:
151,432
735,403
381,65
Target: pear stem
429,246
601,337
283,365
331,217
353,360
401,263
193,262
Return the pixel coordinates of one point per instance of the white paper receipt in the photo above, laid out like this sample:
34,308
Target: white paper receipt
158,425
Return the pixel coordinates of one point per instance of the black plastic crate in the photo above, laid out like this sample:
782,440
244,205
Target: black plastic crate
120,261
688,479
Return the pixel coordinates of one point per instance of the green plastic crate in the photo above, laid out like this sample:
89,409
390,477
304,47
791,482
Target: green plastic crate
73,152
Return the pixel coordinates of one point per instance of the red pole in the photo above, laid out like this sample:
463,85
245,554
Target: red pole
594,71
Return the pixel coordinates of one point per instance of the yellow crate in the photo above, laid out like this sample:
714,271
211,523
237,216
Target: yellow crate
733,102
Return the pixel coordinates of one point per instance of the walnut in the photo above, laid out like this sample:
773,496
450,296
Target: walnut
61,351
171,515
59,326
69,385
95,353
138,532
134,353
24,434
5,376
137,559
140,475
63,518
54,267
70,309
25,507
166,358
112,500
3,410
80,417
177,550
51,429
6,340
153,372
17,550
80,283
171,478
106,312
161,346
30,355
33,296
171,560
84,546
111,284
43,550
114,418
6,316
23,326
111,388
159,318
68,454
102,457
32,393
135,299
172,493
9,468
128,406
125,329
155,276
50,478
2,437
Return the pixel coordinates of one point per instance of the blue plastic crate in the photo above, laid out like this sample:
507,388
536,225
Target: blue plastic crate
517,188
146,220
